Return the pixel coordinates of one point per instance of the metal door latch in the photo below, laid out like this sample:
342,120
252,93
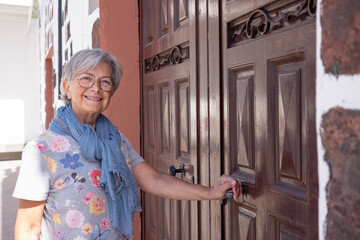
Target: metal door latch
173,171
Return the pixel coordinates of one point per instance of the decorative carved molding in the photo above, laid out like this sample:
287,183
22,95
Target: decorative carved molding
262,21
171,56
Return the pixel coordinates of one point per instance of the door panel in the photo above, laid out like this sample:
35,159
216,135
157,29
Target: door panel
167,74
182,120
269,120
289,95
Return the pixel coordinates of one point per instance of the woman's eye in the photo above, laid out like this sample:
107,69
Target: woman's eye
85,79
105,82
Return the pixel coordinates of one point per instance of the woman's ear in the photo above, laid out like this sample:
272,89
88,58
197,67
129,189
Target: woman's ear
66,87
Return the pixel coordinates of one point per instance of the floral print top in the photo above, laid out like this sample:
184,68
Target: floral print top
53,169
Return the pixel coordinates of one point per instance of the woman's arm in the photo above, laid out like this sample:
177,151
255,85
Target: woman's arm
28,219
167,186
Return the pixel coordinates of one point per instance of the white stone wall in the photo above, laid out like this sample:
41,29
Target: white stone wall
331,92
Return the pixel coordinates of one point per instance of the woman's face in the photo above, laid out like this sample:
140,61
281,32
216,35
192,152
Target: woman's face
88,103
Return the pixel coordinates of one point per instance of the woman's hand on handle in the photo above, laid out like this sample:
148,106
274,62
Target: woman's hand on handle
224,183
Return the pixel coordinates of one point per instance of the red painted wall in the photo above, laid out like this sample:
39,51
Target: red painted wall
119,36
49,110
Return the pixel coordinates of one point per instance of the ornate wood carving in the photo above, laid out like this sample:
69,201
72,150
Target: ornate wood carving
169,57
263,21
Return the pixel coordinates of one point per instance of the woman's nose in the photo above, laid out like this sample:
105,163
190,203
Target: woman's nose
96,86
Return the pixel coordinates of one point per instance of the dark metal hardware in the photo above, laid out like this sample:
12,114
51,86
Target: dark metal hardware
229,195
173,171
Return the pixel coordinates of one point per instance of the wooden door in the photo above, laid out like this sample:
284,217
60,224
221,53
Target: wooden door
268,52
168,60
229,87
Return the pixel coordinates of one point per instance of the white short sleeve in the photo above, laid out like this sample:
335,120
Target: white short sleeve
135,158
34,178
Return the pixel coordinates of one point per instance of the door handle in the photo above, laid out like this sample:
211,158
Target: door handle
173,171
229,195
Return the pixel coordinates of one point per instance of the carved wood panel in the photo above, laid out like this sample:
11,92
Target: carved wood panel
150,118
181,13
182,120
247,224
280,229
287,74
242,113
149,18
164,107
164,18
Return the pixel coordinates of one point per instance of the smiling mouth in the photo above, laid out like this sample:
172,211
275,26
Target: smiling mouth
93,98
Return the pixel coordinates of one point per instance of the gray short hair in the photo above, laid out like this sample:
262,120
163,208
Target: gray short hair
88,59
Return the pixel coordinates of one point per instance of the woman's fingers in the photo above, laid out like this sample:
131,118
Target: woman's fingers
234,184
236,190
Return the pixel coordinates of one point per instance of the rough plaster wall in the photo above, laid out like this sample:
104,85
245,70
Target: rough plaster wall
334,88
119,35
341,42
341,139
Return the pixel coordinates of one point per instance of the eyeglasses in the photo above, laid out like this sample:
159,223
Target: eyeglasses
87,80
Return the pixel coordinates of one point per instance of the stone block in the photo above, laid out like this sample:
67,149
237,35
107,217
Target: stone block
341,139
340,46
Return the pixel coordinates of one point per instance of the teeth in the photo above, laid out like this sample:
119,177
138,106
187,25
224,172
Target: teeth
93,98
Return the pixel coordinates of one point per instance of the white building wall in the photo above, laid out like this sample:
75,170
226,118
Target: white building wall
81,24
19,79
42,66
331,91
19,97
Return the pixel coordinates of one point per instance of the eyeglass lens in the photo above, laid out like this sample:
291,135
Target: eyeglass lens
88,80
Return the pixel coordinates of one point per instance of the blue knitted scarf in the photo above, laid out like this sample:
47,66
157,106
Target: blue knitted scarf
116,178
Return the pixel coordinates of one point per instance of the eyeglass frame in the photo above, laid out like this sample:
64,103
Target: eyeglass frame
94,80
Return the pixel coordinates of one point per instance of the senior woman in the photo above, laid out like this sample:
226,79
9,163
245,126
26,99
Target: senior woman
78,180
